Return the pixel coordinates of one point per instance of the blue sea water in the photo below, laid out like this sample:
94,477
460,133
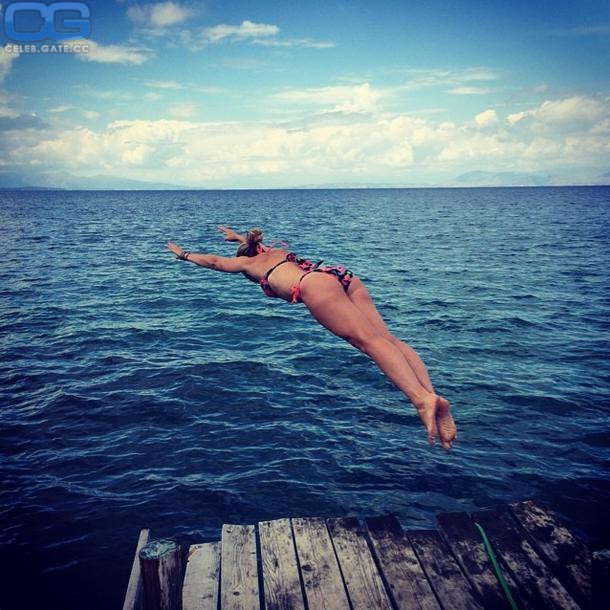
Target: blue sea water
139,391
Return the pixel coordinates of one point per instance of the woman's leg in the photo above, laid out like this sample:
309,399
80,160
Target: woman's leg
360,297
331,307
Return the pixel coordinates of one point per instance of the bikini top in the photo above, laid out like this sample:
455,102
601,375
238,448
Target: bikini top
291,257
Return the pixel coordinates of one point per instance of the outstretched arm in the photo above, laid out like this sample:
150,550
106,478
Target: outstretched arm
211,261
231,235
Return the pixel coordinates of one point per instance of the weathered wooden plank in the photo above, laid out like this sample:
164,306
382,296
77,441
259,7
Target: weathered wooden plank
407,583
201,580
364,585
568,557
320,571
444,574
464,540
133,596
238,572
161,566
281,582
525,565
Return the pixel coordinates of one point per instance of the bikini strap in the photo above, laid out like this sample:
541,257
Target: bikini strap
295,293
275,267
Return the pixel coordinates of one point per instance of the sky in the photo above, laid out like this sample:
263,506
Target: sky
275,94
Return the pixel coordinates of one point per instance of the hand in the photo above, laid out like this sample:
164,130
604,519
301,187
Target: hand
230,235
174,248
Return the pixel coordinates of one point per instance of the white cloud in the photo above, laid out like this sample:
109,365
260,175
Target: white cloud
486,118
208,90
172,85
183,111
263,34
465,90
196,152
515,117
457,79
105,94
295,42
88,114
342,147
61,109
163,84
5,109
574,113
136,155
479,147
159,15
340,98
6,61
247,29
113,53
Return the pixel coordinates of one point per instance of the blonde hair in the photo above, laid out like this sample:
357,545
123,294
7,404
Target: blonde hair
250,246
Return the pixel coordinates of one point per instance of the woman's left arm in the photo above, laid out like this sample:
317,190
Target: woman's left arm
210,261
231,235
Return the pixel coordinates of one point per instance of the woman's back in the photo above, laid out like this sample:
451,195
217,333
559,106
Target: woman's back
274,271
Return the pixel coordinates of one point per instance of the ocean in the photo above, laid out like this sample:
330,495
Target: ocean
140,391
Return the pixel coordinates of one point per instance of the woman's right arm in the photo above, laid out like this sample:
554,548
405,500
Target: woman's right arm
211,261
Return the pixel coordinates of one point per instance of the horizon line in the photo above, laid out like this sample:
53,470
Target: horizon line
298,188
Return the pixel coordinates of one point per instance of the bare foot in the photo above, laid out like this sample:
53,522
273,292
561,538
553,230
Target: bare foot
426,409
435,414
447,429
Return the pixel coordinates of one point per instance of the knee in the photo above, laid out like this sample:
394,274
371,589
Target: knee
392,339
365,342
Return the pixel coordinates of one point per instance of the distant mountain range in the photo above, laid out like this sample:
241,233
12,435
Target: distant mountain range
65,181
483,178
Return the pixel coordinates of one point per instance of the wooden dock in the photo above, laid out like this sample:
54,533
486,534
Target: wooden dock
343,563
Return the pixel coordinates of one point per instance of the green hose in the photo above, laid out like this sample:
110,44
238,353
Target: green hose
496,567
